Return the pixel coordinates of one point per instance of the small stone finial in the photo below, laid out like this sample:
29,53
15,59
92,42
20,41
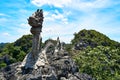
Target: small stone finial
58,41
58,45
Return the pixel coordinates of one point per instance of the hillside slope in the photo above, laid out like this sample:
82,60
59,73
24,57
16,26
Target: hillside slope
16,51
96,55
57,65
92,38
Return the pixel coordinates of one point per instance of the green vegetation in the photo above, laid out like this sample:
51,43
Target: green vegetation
100,58
2,46
103,63
93,38
25,43
2,65
16,51
95,55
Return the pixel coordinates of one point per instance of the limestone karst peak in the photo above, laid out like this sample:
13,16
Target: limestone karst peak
49,63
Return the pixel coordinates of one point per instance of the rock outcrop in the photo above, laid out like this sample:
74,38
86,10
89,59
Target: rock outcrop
35,57
60,67
43,64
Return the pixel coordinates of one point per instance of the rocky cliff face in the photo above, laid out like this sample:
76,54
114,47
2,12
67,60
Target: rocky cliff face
60,67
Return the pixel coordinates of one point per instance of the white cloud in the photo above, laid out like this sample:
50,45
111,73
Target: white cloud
23,29
15,33
66,39
54,30
56,3
24,25
19,30
56,16
23,11
93,4
93,20
82,5
7,37
2,14
86,14
5,34
75,15
3,21
90,5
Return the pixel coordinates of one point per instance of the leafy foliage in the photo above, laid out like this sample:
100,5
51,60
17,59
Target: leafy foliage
2,46
97,55
101,62
2,65
25,43
16,51
93,38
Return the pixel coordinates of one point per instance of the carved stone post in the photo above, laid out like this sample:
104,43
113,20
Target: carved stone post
36,41
36,21
33,59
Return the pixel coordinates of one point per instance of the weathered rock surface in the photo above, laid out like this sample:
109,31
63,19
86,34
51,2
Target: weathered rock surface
35,57
43,64
60,67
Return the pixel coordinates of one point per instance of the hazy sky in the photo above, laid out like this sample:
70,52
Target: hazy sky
62,18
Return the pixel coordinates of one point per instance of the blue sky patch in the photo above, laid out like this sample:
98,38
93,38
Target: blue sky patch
61,18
